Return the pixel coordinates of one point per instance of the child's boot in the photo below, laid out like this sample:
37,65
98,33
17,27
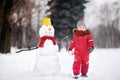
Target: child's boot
84,75
76,76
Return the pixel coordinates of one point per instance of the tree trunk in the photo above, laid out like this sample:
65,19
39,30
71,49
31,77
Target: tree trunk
5,29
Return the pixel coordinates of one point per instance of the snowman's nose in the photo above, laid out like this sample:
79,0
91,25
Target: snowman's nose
49,28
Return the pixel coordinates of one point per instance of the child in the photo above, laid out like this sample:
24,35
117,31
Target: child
83,44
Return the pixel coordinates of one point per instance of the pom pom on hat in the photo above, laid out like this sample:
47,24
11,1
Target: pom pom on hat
46,21
80,23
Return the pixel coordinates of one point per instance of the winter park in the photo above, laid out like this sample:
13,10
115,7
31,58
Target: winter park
60,40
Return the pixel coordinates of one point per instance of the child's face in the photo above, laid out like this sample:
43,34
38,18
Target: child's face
82,28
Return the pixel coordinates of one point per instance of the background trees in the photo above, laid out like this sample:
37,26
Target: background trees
104,23
20,21
5,29
22,31
10,25
64,15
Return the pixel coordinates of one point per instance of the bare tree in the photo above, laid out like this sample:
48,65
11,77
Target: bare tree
6,25
5,29
22,29
108,33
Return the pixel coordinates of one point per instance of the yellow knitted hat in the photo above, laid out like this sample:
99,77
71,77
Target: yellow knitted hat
46,21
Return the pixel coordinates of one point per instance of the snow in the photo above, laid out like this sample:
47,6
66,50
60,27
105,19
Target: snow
104,65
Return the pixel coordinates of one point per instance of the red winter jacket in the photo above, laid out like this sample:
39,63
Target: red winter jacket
81,42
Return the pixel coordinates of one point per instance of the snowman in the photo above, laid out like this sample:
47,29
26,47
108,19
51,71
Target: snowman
47,61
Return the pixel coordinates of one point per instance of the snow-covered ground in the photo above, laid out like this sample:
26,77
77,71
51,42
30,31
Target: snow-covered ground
104,65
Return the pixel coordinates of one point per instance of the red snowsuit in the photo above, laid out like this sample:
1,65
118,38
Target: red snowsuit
81,42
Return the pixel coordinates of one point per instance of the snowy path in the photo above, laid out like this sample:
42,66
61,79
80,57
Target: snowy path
104,65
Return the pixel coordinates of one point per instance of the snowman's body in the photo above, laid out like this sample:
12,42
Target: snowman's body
47,61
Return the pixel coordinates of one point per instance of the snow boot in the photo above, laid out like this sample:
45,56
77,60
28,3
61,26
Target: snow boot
84,75
76,76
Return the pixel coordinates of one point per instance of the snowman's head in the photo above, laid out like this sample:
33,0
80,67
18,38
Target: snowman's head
47,29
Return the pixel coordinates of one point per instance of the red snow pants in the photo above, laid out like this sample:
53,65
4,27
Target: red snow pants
81,64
